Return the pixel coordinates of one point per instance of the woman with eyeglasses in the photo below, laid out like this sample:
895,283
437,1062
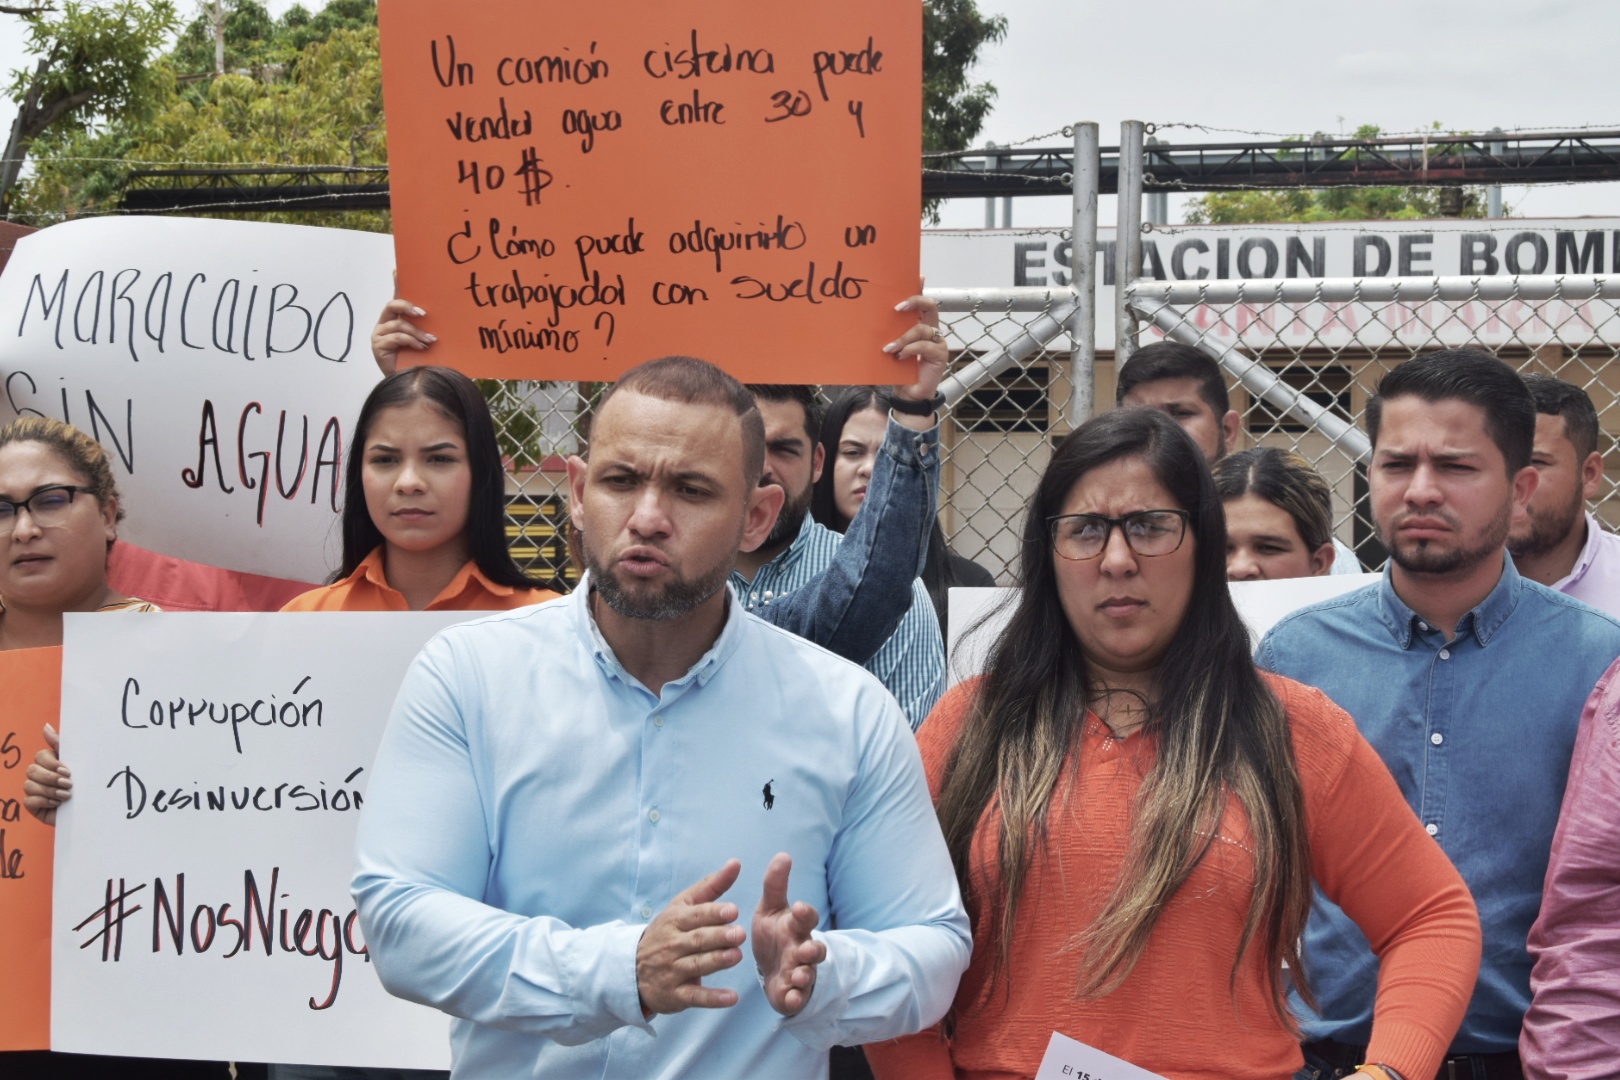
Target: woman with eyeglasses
59,514
1137,815
58,517
1279,515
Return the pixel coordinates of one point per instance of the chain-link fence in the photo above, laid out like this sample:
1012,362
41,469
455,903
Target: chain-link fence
1304,356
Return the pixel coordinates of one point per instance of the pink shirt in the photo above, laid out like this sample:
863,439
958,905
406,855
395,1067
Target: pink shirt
1595,580
1573,1027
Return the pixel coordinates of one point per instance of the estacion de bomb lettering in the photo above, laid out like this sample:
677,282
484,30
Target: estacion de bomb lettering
1371,254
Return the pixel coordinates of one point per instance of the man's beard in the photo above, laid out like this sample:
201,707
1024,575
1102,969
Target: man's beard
789,520
680,596
1423,557
1548,530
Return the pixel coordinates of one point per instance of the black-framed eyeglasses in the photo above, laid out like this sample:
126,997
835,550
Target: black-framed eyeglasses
48,507
1149,533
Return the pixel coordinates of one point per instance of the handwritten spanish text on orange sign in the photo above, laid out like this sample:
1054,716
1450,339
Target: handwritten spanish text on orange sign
581,187
33,697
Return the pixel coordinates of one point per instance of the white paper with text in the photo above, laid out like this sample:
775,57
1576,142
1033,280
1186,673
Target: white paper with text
1068,1059
202,906
222,365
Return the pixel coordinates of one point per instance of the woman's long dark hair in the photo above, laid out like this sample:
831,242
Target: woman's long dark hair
1221,733
457,397
846,403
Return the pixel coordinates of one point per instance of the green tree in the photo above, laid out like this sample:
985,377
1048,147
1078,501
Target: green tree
328,111
302,90
305,89
94,61
256,43
1335,204
954,109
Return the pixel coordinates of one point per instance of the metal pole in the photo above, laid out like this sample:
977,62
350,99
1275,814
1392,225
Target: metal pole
1157,202
1083,275
1127,238
1041,330
992,163
1493,194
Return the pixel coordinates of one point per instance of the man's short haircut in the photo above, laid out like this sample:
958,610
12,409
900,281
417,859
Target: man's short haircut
1173,360
803,396
1555,397
697,382
1472,376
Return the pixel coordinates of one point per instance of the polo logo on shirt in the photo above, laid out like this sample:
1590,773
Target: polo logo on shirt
770,800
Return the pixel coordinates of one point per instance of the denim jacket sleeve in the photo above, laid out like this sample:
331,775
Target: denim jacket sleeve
857,603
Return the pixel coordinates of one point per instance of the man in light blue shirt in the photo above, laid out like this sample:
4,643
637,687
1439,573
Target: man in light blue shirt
575,803
1467,678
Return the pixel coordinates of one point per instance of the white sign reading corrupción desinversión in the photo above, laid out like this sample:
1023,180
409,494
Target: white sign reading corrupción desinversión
201,905
221,363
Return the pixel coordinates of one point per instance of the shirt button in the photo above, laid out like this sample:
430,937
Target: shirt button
769,596
1431,828
1437,738
646,911
1445,654
658,721
1423,626
653,815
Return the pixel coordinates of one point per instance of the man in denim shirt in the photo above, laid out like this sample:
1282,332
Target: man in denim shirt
860,588
1468,679
802,562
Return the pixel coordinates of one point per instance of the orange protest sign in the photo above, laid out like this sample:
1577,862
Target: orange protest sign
580,187
32,679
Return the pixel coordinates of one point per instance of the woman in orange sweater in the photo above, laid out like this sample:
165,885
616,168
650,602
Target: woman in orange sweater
423,520
1137,815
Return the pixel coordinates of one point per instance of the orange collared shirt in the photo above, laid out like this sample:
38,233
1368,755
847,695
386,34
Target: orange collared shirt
367,589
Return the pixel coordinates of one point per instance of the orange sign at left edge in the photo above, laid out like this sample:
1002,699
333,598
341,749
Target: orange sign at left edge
578,188
32,682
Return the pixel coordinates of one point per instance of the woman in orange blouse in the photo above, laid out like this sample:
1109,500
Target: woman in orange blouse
1137,815
423,516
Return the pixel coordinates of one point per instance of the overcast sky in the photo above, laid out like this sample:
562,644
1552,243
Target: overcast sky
1275,66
